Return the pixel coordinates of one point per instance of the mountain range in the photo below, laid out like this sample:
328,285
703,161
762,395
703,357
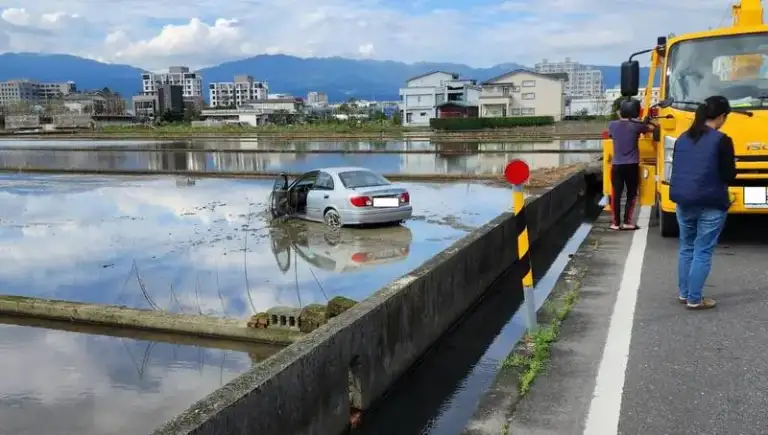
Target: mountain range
340,78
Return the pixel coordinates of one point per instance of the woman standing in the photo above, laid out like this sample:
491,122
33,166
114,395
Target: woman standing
702,166
625,165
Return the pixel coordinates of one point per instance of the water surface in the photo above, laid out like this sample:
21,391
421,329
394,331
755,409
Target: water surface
224,162
59,382
206,246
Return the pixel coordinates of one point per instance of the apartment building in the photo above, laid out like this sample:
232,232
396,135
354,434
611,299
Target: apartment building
95,103
238,92
583,81
424,95
612,94
317,99
191,82
32,92
523,93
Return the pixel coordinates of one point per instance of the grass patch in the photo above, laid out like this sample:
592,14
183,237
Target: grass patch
532,354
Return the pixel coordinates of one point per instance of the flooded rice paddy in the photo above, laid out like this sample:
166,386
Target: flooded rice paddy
196,246
62,382
209,247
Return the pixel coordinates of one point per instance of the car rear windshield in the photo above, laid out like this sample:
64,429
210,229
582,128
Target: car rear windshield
355,179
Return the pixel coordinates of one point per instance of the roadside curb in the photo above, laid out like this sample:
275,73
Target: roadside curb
529,357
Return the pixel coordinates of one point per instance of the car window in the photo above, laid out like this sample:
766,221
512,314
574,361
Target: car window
324,181
355,179
306,180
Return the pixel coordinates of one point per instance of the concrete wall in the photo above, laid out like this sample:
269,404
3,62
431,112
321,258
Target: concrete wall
16,122
72,121
309,387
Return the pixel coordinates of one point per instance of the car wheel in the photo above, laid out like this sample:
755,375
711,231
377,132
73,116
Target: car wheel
332,218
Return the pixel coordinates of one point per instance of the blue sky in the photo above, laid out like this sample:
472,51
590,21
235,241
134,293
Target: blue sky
155,33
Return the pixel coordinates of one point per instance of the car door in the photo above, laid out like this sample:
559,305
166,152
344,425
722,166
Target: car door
319,197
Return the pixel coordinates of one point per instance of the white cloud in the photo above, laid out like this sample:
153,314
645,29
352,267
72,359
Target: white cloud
157,33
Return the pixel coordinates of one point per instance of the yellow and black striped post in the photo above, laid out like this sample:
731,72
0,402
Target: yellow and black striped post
517,173
524,257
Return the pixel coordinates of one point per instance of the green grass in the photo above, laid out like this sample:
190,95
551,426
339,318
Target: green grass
534,357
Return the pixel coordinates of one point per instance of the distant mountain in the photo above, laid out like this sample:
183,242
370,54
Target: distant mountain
86,73
340,78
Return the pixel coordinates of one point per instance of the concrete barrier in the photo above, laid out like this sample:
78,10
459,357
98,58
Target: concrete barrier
310,387
152,320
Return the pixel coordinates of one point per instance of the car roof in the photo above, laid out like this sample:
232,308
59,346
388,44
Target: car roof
338,169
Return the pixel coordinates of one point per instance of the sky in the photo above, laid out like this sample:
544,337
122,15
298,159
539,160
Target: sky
153,34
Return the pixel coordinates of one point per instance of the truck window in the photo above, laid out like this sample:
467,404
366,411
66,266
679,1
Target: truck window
733,66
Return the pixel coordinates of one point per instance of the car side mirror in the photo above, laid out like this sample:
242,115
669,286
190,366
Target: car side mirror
630,78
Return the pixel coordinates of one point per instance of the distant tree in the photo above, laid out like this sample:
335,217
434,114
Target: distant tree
345,108
397,118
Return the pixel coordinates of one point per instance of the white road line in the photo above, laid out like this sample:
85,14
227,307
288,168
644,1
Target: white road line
604,412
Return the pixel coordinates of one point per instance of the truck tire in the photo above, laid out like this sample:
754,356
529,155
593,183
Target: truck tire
668,224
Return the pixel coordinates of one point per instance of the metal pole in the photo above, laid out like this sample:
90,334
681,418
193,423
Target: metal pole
524,257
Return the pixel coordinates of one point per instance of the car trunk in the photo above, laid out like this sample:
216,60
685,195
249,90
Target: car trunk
380,191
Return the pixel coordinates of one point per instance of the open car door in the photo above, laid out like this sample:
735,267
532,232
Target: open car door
279,205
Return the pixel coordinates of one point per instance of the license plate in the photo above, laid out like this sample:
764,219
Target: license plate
386,202
756,197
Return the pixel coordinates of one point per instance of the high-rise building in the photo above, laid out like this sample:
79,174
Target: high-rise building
32,92
191,82
583,81
238,92
317,99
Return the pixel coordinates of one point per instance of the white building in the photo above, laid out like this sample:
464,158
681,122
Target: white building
317,99
238,92
523,93
600,106
582,80
420,99
32,92
614,93
191,82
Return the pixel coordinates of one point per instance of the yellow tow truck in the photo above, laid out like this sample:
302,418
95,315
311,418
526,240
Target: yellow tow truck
730,61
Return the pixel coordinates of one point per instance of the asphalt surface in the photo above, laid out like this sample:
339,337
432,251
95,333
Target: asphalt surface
689,372
705,372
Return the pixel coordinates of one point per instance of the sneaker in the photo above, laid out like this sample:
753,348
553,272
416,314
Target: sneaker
682,300
704,304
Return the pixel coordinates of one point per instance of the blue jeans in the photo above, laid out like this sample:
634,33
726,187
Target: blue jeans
700,228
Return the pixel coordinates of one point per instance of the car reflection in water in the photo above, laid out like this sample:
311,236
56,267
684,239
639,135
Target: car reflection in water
338,250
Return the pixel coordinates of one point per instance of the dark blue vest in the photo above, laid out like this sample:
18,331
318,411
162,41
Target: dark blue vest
696,177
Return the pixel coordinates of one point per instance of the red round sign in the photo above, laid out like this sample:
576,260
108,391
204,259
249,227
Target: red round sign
517,172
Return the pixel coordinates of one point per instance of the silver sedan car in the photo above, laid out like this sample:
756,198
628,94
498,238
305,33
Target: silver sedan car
341,196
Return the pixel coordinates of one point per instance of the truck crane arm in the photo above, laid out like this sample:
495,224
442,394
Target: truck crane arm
747,13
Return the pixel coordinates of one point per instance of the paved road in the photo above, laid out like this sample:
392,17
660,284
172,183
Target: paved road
687,372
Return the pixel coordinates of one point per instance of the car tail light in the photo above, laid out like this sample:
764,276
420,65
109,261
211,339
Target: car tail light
405,198
606,134
361,257
360,201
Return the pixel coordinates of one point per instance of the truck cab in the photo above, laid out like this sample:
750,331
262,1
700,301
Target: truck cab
730,61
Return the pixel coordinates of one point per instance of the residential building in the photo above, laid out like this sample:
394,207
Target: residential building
583,81
317,99
102,102
290,105
191,82
32,92
240,91
523,93
170,97
422,96
612,94
164,97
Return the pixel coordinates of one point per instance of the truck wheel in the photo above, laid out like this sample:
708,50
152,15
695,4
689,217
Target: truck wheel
668,224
